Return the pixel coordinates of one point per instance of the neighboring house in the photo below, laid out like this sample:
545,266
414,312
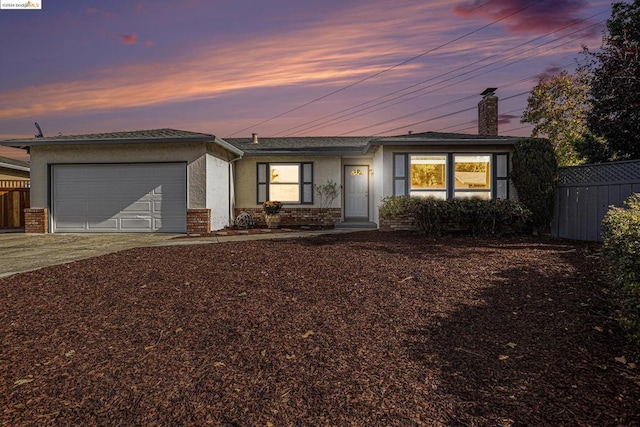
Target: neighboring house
13,170
176,181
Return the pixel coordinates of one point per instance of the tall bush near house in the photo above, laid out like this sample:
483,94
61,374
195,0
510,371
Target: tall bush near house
534,175
621,248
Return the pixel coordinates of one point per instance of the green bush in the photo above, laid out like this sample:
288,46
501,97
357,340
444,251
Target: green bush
621,249
534,176
393,206
478,217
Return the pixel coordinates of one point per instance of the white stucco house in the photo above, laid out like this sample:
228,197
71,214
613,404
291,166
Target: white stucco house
168,180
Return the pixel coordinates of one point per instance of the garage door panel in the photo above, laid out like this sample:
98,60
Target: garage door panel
140,207
71,208
102,224
126,198
71,223
136,224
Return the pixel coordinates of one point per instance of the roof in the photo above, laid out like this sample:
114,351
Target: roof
308,145
433,138
128,137
8,163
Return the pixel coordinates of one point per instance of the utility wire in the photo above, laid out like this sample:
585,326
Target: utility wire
439,117
319,125
389,68
351,116
474,76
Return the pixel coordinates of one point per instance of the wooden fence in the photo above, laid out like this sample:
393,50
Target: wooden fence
14,199
584,194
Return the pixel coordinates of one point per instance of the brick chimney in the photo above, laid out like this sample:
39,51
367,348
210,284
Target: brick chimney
488,112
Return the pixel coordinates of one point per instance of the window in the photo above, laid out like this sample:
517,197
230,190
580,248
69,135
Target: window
429,176
472,176
285,182
449,175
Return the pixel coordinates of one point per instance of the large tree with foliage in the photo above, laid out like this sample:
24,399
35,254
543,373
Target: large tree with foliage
615,86
558,107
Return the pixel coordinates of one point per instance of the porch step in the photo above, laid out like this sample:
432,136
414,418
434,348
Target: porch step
357,224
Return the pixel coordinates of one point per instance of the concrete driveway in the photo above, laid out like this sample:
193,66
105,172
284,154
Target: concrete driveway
20,252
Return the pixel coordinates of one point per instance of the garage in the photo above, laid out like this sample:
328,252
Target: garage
125,198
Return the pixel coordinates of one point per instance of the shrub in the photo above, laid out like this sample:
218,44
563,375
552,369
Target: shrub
393,206
478,217
534,176
621,249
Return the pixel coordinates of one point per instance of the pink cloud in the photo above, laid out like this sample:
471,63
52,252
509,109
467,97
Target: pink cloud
129,38
541,17
149,43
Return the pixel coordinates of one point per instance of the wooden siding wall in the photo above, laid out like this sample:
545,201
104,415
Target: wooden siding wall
14,199
585,193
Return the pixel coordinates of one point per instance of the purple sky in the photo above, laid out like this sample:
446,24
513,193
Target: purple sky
233,67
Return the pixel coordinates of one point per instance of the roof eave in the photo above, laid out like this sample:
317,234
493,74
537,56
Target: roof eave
488,141
23,143
305,153
15,167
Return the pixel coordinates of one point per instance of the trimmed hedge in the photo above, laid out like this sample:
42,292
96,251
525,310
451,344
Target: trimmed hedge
621,249
477,217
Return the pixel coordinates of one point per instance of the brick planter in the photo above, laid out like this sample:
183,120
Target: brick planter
198,221
36,220
398,223
297,216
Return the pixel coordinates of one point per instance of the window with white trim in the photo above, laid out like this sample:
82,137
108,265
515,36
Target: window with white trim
285,182
452,175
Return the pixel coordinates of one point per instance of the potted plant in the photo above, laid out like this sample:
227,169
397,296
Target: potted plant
271,209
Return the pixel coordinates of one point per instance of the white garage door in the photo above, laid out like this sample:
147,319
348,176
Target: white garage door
120,198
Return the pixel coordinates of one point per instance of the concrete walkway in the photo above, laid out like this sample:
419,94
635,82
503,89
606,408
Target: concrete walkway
20,252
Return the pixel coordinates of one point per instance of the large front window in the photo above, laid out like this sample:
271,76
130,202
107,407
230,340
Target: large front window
285,182
451,175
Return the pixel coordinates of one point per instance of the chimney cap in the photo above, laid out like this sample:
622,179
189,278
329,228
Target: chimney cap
489,91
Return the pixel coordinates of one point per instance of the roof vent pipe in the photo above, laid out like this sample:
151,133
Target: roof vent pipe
255,138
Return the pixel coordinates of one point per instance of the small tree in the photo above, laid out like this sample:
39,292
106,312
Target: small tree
326,193
558,108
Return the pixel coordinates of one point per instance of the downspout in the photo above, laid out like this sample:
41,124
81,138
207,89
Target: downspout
232,187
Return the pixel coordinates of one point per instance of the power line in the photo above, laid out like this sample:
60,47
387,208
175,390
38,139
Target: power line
389,68
352,115
439,117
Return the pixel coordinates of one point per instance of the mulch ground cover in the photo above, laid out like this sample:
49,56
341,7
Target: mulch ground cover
358,329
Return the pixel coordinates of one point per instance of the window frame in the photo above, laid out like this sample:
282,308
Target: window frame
402,172
305,182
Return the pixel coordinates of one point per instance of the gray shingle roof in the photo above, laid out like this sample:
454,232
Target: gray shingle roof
302,145
138,135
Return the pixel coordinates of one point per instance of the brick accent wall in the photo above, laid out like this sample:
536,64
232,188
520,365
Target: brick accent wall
398,223
36,220
297,216
198,221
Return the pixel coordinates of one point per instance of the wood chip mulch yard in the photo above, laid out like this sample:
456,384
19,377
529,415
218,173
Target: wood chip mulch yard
358,329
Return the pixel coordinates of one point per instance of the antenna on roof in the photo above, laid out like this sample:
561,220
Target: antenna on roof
39,135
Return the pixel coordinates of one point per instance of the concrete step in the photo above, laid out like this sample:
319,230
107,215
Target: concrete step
357,224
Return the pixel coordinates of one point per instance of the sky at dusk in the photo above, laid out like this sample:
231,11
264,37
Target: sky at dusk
281,67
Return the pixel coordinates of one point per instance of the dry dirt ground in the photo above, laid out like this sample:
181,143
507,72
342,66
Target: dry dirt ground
359,329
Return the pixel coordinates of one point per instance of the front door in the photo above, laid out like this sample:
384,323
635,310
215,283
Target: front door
356,193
